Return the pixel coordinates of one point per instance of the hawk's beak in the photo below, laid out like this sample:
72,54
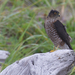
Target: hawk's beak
59,15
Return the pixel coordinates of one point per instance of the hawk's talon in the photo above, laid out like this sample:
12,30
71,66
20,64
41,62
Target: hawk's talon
54,49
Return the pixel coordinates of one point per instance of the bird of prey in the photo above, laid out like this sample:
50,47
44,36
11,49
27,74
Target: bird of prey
56,31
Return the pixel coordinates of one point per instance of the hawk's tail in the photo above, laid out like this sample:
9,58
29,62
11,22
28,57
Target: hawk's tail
70,46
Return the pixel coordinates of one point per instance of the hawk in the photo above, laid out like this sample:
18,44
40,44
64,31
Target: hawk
56,31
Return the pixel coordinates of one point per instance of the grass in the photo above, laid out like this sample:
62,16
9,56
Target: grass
22,30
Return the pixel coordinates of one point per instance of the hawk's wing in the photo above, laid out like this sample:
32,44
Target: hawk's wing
60,28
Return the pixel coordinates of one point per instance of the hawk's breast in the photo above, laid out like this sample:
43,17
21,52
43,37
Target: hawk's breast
52,33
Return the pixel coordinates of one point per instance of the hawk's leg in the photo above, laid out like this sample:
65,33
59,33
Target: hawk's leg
55,49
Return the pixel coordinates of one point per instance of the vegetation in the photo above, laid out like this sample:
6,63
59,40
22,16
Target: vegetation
22,30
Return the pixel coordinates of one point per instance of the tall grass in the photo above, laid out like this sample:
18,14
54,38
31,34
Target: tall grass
22,26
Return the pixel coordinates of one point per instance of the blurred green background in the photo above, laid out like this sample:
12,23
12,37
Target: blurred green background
22,30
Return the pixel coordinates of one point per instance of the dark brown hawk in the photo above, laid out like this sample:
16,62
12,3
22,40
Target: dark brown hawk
56,31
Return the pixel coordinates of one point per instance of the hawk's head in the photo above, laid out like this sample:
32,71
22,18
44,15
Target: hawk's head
54,14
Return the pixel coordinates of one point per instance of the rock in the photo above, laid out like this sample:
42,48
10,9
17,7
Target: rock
59,62
3,55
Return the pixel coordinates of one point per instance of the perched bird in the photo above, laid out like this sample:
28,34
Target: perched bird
56,31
